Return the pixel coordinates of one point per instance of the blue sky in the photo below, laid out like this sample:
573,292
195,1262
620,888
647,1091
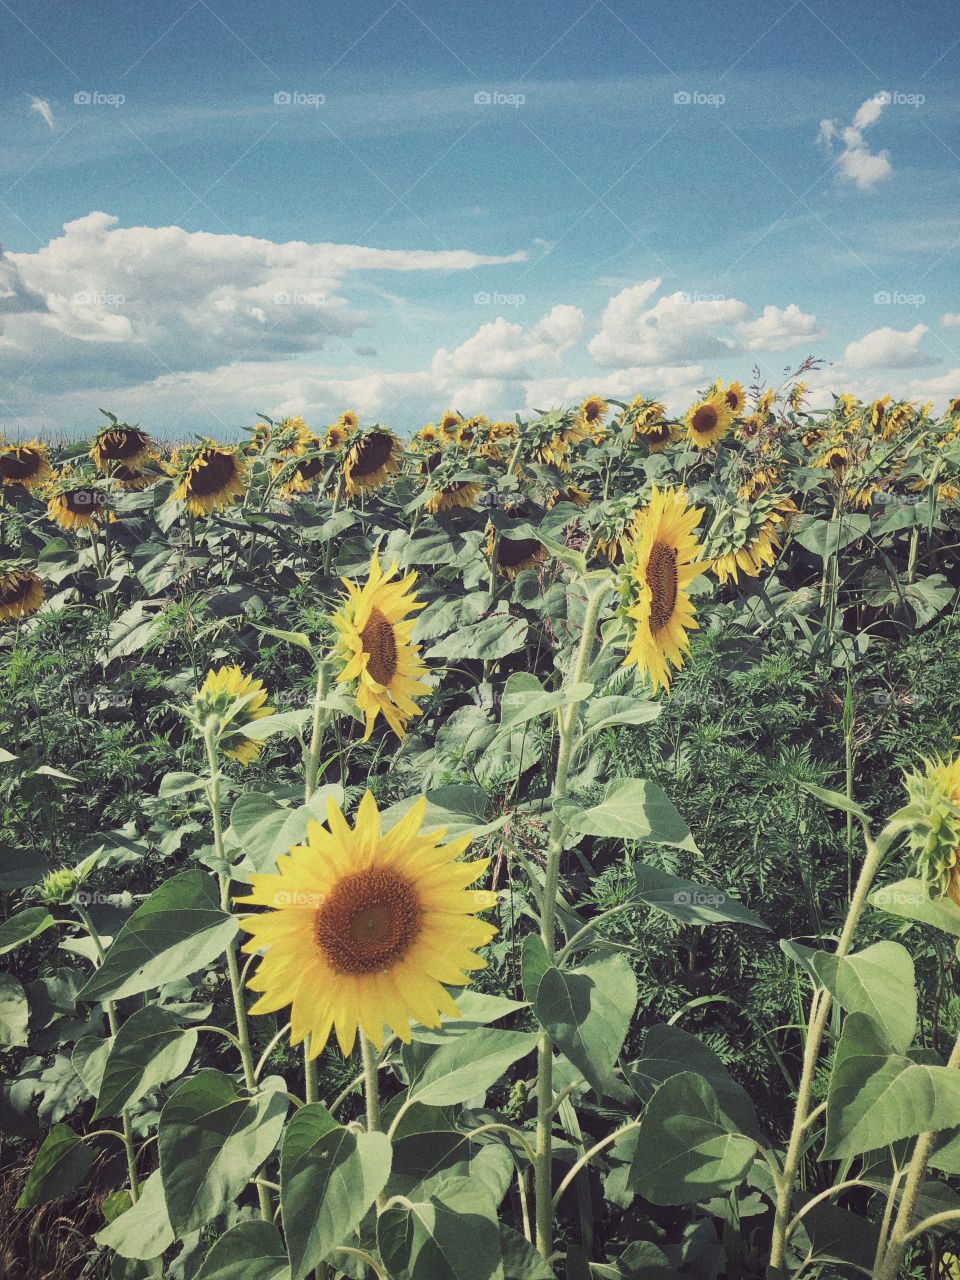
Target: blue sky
401,205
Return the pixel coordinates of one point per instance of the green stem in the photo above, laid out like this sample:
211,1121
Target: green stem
567,723
819,1011
371,1091
903,1231
233,968
311,766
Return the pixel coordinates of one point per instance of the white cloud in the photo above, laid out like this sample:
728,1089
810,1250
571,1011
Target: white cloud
888,348
951,320
43,109
775,329
502,349
678,328
857,162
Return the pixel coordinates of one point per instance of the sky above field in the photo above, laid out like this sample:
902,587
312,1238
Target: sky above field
212,209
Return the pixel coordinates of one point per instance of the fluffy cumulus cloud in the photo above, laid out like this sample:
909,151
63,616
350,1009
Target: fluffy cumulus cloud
888,348
776,329
856,161
951,320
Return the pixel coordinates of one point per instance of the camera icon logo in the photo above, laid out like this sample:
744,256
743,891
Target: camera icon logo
281,98
682,98
482,98
82,98
882,298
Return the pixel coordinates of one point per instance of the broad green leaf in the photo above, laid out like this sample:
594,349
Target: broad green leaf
144,1230
587,1011
179,929
688,1149
21,867
877,1097
460,809
286,723
60,1166
89,1058
835,799
489,638
826,537
290,637
877,981
249,1251
14,1013
836,1235
24,926
150,1047
668,1051
454,1235
534,963
469,1065
524,698
330,1177
633,809
265,830
911,900
639,1261
605,713
476,1010
689,902
520,1259
212,1140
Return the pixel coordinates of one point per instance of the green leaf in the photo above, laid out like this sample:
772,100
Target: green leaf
89,1058
826,537
836,1235
877,1097
61,1165
639,1261
689,902
877,981
460,809
520,1259
249,1251
144,1230
179,929
604,713
633,809
266,829
24,926
290,637
469,1065
330,1176
668,1051
454,1235
476,1010
21,867
524,698
212,1140
14,1013
688,1149
489,638
150,1047
587,1011
911,900
835,799
534,963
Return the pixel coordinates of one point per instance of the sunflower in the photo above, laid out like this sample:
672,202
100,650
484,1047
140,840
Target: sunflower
427,438
131,481
954,406
300,463
592,414
515,554
875,413
209,477
796,396
836,458
579,498
659,435
896,417
24,464
375,650
646,417
662,559
846,404
335,437
448,424
21,593
462,494
76,501
349,421
371,458
230,702
553,451
708,420
120,445
365,928
470,429
735,397
745,541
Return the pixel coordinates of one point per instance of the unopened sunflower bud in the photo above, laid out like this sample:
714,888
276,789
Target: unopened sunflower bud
933,817
225,705
59,886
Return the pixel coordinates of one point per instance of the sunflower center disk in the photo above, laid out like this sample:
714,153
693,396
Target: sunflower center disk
372,452
513,551
380,646
119,445
18,466
14,589
369,922
704,420
81,501
663,583
207,480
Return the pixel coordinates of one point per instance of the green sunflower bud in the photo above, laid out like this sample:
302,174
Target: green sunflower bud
933,815
59,886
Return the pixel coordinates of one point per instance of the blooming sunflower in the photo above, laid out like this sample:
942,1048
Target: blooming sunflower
470,429
209,477
846,404
21,592
662,559
708,420
954,406
77,501
335,436
371,458
515,554
427,438
366,927
593,412
232,702
463,494
375,649
735,397
448,424
24,464
120,445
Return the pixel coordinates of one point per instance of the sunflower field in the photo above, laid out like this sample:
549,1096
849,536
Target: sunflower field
524,850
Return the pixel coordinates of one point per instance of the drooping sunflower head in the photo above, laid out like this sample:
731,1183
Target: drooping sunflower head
225,706
875,414
933,814
120,445
662,559
513,555
758,482
796,395
299,463
846,404
954,406
896,417
462,494
209,477
26,465
472,431
708,420
371,459
77,499
21,592
374,647
129,480
577,497
646,418
364,927
836,459
745,538
349,420
448,425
